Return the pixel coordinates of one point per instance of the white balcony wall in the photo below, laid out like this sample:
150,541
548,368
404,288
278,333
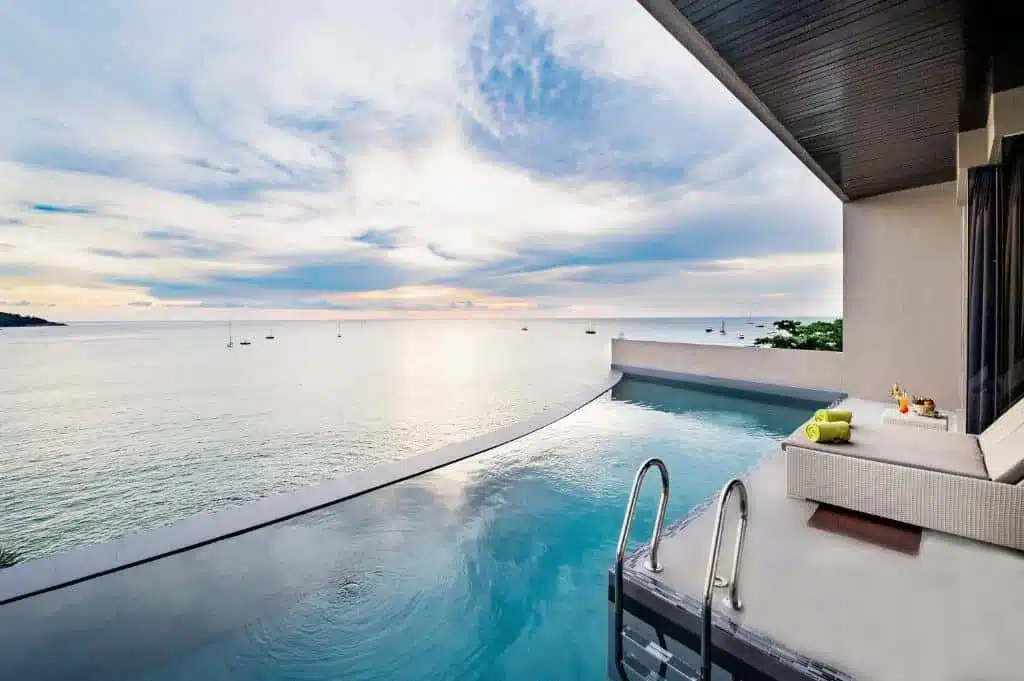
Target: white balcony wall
796,368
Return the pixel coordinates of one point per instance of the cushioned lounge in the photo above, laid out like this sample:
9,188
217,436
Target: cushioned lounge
959,484
918,448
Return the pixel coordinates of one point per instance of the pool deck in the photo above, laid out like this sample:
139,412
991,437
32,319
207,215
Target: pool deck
822,606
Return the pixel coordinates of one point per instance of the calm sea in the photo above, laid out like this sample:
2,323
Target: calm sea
108,429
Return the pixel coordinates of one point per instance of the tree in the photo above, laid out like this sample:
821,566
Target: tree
793,335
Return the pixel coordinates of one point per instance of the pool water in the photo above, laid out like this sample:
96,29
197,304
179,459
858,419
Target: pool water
494,568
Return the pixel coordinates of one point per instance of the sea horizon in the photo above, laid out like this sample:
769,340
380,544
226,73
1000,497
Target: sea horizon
335,320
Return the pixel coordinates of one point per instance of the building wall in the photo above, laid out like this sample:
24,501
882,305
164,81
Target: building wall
903,293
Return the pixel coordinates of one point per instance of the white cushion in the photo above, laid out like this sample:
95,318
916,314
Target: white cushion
1002,445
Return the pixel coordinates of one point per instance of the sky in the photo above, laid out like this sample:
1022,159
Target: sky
397,158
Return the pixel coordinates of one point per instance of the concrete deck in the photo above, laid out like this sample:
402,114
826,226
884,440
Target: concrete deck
954,612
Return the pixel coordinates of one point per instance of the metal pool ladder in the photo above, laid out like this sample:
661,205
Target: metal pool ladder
620,550
712,580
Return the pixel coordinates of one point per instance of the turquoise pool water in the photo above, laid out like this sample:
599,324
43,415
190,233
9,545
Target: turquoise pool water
490,569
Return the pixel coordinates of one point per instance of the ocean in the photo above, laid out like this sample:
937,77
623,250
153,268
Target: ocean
114,428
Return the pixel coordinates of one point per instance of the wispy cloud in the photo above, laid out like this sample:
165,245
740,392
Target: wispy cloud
550,156
54,208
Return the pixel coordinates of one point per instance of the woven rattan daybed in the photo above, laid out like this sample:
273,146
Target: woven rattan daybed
965,485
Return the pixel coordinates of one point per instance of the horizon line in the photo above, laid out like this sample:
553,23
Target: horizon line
776,317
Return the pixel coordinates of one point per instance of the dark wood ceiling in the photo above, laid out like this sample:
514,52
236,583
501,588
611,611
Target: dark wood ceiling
873,90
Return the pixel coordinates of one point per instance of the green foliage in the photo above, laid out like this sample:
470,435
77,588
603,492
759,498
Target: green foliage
8,557
8,319
793,335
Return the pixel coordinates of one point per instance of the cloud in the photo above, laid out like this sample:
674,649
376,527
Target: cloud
530,155
388,239
114,253
164,235
65,210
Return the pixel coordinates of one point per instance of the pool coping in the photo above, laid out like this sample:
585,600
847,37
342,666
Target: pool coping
39,576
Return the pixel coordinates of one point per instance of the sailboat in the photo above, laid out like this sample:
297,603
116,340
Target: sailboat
591,330
270,335
339,328
722,330
231,340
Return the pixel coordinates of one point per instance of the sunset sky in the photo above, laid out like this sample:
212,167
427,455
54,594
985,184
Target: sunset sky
191,159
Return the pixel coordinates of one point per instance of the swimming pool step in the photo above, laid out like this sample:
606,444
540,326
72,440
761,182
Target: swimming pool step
650,662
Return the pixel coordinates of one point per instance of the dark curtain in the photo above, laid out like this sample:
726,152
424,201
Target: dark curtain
982,223
1013,272
995,315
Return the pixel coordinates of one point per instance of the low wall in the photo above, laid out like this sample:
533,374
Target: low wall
806,370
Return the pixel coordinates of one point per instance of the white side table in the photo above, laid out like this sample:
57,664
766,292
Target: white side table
893,417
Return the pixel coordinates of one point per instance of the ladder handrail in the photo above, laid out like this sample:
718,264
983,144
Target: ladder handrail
711,581
620,551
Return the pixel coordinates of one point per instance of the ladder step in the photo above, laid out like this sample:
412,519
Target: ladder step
635,669
659,664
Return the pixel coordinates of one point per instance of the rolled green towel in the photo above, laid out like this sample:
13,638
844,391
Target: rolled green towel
831,415
828,431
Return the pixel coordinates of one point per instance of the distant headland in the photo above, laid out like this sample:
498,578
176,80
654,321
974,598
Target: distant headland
8,319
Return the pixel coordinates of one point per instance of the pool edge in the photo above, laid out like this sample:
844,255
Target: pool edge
76,565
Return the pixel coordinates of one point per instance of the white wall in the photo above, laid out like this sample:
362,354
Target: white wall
796,368
903,292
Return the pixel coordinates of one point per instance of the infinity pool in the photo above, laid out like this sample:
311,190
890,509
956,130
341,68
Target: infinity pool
492,569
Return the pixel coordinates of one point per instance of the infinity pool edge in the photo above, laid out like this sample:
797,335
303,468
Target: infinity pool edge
39,576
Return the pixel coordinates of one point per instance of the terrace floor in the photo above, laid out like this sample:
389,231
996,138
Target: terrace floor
950,613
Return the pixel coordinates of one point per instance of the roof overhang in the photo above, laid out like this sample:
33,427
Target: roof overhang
870,95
